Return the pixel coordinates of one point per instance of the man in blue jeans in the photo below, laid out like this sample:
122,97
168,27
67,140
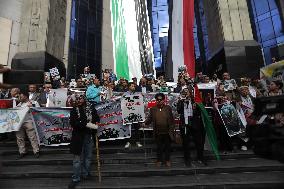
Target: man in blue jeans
82,140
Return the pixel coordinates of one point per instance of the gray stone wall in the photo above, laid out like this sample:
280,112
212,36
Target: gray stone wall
11,10
107,44
43,27
56,28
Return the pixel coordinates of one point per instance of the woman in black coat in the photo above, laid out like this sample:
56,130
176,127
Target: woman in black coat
82,139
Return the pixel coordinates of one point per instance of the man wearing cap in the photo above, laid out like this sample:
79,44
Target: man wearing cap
27,127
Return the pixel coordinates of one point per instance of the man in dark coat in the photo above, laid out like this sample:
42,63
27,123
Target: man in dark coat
185,109
82,139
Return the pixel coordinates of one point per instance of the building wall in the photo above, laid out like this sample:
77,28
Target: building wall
10,10
107,44
56,28
214,27
235,20
268,26
227,20
34,26
5,30
43,27
67,33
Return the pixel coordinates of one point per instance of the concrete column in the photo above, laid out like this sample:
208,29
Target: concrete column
107,43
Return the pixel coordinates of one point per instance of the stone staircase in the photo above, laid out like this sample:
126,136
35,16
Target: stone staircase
135,168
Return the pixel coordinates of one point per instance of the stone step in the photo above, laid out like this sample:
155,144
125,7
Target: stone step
244,180
5,151
121,158
145,170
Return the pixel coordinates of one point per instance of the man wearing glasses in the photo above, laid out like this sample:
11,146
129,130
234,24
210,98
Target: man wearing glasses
162,118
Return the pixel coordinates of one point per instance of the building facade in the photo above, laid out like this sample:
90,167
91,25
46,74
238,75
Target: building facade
85,37
36,33
267,22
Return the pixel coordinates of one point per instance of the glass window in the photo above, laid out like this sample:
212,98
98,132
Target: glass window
280,39
261,6
82,35
269,43
83,16
272,4
266,29
277,23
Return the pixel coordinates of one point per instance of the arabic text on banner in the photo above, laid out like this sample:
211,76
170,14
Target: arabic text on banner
52,126
132,109
111,127
12,119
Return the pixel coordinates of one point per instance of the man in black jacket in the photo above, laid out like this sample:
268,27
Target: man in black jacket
191,126
82,140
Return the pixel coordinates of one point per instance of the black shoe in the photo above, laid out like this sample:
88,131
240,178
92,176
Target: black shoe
21,155
72,185
36,155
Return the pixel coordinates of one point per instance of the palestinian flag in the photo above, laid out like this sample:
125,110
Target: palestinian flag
126,52
182,36
207,123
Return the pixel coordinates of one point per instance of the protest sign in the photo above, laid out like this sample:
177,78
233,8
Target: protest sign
111,125
207,92
229,85
52,126
132,109
57,98
12,119
231,120
54,72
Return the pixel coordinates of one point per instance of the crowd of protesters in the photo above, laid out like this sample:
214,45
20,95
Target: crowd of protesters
240,92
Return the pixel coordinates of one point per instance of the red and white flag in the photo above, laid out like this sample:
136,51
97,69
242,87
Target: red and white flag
182,36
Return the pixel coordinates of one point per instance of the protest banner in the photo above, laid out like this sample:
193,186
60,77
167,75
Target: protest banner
111,125
273,71
132,109
52,126
57,98
12,119
231,120
6,103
